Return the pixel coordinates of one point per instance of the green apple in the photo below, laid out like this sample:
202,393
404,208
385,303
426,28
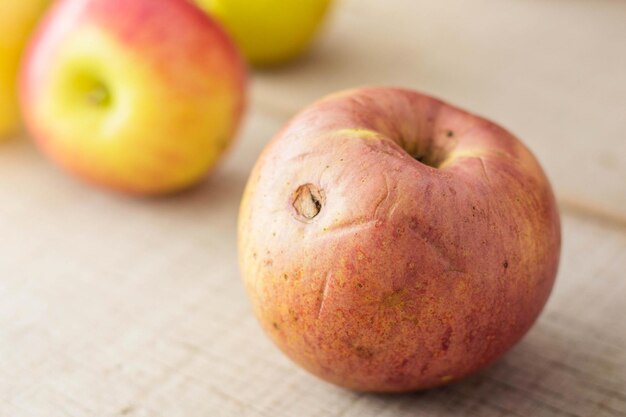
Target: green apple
269,32
17,19
141,96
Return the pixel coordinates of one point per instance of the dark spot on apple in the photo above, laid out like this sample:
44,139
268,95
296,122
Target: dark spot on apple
445,339
285,277
308,201
363,352
449,133
359,285
294,315
275,325
505,264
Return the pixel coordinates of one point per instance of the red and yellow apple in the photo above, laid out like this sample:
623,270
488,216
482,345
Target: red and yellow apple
141,96
269,32
17,20
393,242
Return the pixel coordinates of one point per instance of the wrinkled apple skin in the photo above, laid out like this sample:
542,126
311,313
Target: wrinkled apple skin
378,272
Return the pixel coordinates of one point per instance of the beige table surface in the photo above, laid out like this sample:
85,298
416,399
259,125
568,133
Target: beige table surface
112,306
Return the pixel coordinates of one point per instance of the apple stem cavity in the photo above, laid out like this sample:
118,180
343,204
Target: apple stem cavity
432,154
99,95
427,159
424,153
308,201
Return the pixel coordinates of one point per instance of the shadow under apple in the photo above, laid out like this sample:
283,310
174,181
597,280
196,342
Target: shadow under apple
558,369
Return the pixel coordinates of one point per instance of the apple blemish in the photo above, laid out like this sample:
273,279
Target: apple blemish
308,201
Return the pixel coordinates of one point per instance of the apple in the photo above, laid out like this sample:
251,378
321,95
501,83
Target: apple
392,242
141,96
270,32
17,19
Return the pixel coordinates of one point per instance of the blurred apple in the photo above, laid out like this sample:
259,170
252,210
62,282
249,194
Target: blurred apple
269,32
17,19
141,96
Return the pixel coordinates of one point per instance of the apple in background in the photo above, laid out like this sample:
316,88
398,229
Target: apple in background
269,32
141,96
393,242
17,19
